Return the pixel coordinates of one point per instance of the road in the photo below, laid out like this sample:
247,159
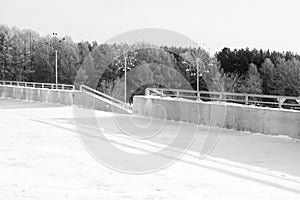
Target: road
42,157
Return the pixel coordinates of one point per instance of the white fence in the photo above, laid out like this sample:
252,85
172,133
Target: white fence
39,85
247,99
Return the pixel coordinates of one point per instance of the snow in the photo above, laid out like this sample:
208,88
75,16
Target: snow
41,157
221,103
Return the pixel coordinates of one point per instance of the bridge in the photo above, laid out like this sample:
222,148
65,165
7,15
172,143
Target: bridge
42,156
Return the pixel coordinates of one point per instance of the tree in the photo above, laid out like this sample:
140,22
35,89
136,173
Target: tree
5,53
44,62
266,72
214,76
68,61
26,56
83,51
81,78
89,68
252,83
231,82
286,78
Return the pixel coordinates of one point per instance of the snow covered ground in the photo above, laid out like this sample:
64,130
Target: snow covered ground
41,157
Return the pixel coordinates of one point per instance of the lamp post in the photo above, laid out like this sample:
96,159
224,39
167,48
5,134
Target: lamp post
56,79
125,72
198,95
129,59
196,60
56,52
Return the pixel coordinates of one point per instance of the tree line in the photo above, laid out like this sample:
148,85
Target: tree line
262,72
27,56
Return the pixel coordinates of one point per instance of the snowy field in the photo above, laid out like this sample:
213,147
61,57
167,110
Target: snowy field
41,157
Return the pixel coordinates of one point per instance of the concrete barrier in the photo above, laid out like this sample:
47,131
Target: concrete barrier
64,97
238,117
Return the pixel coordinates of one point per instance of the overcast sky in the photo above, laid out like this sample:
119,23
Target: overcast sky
213,24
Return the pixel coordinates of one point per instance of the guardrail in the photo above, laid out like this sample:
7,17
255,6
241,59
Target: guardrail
39,85
105,96
247,99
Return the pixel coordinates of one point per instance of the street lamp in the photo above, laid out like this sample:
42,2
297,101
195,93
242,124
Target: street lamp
129,60
125,68
198,95
55,50
198,63
56,79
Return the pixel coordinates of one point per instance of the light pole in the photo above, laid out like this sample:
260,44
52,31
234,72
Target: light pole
128,59
56,52
196,60
125,72
56,79
198,95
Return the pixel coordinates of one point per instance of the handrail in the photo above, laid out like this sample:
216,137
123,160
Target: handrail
242,98
105,96
38,85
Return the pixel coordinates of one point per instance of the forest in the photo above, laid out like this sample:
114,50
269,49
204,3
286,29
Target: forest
27,56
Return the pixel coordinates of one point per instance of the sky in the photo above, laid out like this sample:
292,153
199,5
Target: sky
213,24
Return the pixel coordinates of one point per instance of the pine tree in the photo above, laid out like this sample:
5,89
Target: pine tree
81,78
252,83
267,71
89,68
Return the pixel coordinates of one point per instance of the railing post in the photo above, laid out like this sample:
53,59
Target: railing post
280,100
147,92
220,97
177,94
280,104
63,87
246,99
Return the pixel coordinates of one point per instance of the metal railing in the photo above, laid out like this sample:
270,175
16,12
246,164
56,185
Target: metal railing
38,85
105,96
240,98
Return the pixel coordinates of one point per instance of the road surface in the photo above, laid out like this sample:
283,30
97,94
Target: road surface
42,157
